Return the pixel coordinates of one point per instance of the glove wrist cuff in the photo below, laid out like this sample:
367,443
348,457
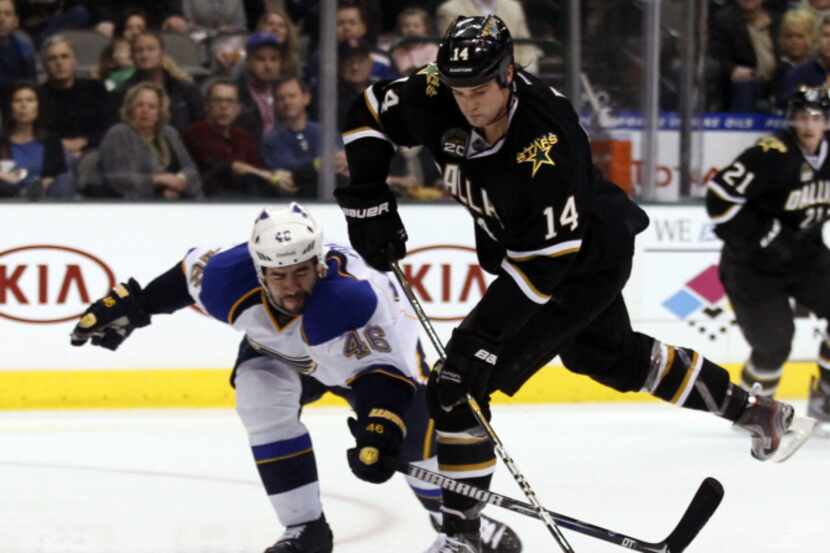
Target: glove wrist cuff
386,415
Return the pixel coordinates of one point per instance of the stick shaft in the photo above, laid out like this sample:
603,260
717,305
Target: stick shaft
518,476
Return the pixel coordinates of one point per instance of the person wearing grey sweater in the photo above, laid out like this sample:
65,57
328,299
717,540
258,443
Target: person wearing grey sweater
143,157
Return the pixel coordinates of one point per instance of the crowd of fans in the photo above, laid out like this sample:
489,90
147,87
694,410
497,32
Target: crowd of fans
761,51
144,122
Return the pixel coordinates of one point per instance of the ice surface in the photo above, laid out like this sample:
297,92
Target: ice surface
183,481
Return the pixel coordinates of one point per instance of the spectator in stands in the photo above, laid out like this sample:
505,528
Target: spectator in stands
216,16
44,18
17,58
295,145
115,65
277,22
813,72
157,14
133,24
796,42
257,86
510,11
743,51
354,59
77,110
186,107
143,157
229,51
32,159
227,156
414,22
352,25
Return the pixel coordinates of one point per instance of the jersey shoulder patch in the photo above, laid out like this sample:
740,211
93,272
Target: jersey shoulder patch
230,284
340,303
771,143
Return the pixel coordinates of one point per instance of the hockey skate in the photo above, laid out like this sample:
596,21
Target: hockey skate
776,432
458,536
818,406
496,537
311,537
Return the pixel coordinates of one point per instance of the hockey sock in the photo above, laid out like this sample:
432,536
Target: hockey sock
288,472
768,379
470,458
684,377
824,360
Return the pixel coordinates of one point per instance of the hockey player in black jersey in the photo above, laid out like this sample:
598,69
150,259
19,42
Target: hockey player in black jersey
558,236
769,207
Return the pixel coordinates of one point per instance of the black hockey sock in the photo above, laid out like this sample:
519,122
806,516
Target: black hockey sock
824,361
684,377
469,458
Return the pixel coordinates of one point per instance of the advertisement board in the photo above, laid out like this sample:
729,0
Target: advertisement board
56,258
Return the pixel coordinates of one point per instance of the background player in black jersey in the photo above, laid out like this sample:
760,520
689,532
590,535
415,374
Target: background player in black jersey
769,207
558,236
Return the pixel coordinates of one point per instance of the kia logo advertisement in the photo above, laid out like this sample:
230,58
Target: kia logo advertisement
47,283
446,279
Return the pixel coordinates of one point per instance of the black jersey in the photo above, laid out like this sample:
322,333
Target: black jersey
769,185
541,213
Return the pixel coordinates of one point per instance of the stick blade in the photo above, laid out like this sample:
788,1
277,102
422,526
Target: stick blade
702,507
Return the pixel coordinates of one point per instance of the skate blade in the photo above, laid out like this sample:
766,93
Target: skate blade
797,435
822,430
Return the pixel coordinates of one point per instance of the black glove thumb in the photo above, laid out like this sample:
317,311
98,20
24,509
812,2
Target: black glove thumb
354,428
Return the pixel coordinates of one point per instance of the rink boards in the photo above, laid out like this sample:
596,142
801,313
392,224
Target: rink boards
54,258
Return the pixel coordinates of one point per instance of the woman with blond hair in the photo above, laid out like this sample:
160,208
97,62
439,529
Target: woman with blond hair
229,51
143,157
797,40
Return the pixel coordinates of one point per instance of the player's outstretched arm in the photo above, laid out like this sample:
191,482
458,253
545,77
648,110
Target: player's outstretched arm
110,320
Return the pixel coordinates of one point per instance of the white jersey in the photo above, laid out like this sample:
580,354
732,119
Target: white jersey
355,320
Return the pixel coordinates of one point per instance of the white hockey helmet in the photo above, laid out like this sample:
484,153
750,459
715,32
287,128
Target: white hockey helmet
283,237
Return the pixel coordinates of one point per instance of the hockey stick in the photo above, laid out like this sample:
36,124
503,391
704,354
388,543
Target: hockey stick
482,420
703,505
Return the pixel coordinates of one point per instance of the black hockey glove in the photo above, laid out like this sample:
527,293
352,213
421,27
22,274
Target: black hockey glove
110,320
375,229
378,439
471,359
777,248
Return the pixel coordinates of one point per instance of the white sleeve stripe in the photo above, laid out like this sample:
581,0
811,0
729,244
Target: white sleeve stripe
372,102
363,132
728,215
562,248
718,189
524,284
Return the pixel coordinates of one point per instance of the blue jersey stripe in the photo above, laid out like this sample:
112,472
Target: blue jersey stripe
281,448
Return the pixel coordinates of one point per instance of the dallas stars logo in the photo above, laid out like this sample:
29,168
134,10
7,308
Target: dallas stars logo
433,78
538,152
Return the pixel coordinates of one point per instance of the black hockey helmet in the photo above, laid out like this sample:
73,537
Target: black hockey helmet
475,50
806,97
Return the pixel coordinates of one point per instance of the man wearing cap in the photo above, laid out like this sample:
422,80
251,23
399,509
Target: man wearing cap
257,86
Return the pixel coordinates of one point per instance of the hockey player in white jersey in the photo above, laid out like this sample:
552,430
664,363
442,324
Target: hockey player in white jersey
316,318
